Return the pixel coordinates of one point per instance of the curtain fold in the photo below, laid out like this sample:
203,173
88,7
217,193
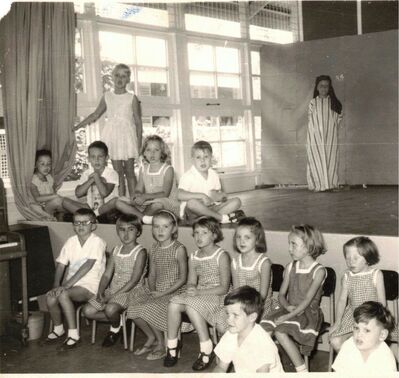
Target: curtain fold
37,74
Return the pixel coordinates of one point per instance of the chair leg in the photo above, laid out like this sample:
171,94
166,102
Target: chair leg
93,331
132,334
214,335
123,319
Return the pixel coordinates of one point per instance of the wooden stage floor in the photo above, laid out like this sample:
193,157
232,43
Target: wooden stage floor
370,211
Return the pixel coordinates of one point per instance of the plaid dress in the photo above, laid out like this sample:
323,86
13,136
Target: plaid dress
124,266
303,328
155,310
207,269
362,287
250,276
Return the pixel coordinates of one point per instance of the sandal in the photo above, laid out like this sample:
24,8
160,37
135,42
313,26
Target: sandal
236,216
170,360
200,364
53,340
156,355
65,346
144,349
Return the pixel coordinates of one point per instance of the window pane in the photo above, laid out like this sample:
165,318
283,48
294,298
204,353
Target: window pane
216,157
258,127
233,154
157,125
79,67
151,52
116,47
270,35
258,152
213,25
152,83
256,88
231,128
202,85
227,60
200,57
255,62
205,128
229,86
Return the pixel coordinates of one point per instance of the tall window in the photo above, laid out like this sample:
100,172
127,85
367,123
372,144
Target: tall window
255,68
146,56
214,71
79,66
258,140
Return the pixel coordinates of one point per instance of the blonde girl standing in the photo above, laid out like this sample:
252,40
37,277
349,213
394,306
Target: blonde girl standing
207,284
251,267
123,130
167,275
298,317
360,283
124,272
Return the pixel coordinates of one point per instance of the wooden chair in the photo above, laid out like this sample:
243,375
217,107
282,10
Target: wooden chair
328,291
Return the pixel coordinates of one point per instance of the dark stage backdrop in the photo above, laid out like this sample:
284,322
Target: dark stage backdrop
364,70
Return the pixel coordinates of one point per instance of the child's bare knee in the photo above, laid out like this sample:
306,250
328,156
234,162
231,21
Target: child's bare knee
336,343
110,310
192,204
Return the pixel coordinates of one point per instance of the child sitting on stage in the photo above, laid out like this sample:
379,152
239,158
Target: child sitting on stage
245,343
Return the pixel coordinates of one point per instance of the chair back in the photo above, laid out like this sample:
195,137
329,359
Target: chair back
329,282
277,272
391,284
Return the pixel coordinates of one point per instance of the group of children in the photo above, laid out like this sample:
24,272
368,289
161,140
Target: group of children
234,295
199,191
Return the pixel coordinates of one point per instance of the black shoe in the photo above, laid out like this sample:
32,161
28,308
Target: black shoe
65,346
170,360
111,338
200,364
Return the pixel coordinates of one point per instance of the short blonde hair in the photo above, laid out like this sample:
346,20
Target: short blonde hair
122,66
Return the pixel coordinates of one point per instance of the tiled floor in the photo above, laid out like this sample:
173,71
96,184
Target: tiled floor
88,358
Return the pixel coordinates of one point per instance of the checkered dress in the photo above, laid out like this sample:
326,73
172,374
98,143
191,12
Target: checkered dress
124,266
207,269
155,310
361,288
250,276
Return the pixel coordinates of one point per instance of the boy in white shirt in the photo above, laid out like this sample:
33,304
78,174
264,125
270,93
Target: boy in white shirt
246,344
99,183
366,352
84,254
200,190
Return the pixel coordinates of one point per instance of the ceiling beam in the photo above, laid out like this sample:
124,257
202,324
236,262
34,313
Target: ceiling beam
256,7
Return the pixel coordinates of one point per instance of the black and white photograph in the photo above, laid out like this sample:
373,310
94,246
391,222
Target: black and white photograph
199,187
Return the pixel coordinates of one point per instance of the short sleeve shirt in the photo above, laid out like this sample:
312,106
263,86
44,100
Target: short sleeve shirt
75,255
94,199
350,361
257,350
44,187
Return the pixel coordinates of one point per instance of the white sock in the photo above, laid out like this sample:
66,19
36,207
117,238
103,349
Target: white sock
147,219
301,369
115,329
225,219
73,333
58,329
206,346
172,344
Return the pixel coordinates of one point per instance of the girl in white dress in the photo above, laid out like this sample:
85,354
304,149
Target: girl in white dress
123,130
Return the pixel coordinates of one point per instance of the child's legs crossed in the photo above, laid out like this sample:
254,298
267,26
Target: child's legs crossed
195,208
71,205
337,341
290,347
66,299
231,205
90,312
54,205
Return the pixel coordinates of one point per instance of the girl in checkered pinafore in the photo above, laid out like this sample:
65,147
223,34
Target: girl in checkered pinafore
298,317
207,284
124,273
360,284
251,267
167,277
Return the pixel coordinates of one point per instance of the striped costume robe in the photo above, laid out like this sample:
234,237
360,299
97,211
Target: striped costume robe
322,145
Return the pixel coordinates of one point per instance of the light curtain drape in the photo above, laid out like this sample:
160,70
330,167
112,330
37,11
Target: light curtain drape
37,74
